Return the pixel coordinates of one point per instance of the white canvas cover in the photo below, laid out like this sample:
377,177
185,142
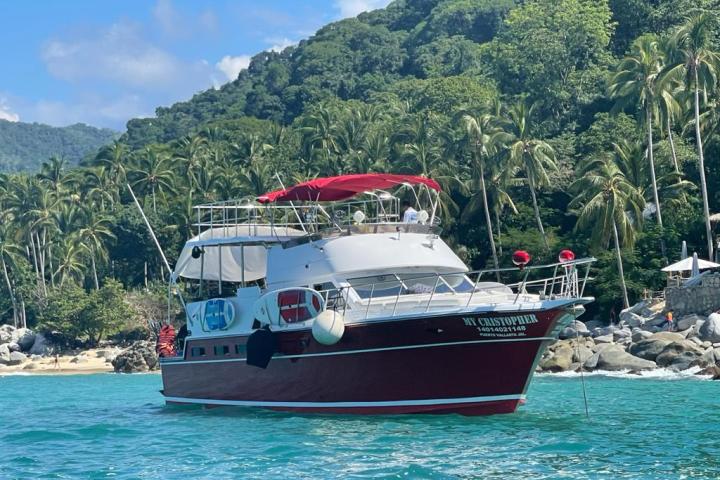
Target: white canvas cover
255,256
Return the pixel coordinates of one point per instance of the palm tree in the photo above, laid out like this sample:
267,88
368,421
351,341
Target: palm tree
154,172
93,236
609,206
114,158
320,137
636,82
483,137
9,252
190,153
693,62
534,156
72,259
630,160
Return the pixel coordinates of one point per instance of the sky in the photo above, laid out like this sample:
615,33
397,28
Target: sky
105,62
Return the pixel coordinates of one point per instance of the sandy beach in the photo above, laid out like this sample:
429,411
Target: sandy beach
85,362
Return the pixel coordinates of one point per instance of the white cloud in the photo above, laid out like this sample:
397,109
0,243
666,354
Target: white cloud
167,17
121,55
352,8
118,54
281,44
102,111
6,113
232,66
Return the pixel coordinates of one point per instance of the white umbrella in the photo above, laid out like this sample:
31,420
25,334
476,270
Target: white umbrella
683,251
695,265
686,264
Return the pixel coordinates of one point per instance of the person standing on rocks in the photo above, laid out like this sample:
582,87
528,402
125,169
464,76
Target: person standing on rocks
669,321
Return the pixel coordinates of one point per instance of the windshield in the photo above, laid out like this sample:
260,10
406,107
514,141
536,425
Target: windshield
410,284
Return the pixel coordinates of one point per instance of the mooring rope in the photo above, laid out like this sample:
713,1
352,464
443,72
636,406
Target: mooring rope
582,362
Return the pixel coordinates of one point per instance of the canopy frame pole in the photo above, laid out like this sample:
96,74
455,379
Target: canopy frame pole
302,225
242,263
219,247
202,271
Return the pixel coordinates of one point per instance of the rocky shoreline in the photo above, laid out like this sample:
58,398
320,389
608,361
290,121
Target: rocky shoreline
25,351
642,340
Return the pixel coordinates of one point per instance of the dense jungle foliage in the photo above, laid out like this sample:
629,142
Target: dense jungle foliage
24,146
588,124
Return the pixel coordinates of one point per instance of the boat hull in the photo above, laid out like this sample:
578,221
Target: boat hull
472,364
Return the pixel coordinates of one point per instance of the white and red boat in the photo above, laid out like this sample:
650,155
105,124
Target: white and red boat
319,298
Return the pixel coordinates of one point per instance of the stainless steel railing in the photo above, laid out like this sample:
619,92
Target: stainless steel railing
568,280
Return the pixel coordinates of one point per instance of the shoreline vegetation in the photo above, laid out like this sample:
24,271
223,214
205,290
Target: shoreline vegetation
549,124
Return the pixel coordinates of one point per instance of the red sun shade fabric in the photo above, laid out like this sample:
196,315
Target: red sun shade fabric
331,189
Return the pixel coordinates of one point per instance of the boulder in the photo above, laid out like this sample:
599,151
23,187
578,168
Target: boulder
558,360
638,335
4,354
599,347
5,334
710,329
41,345
140,357
649,348
688,321
591,363
713,371
14,347
604,338
31,366
582,354
79,359
24,337
632,319
622,333
16,358
575,329
593,324
616,358
679,355
704,360
671,336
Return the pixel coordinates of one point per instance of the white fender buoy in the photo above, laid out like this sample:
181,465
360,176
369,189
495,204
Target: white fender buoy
328,327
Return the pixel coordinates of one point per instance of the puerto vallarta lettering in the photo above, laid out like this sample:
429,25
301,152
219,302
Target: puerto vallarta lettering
510,326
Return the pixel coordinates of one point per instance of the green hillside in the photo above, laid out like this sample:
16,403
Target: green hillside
550,124
24,146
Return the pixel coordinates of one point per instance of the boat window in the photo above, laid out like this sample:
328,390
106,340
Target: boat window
221,350
410,283
197,351
240,349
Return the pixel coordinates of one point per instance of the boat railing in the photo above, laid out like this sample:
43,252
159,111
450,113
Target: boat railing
235,215
567,280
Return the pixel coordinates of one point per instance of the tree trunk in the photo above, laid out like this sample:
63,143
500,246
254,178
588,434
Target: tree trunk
34,258
656,197
41,262
620,266
94,269
153,197
10,291
23,317
537,212
488,221
497,224
672,146
701,166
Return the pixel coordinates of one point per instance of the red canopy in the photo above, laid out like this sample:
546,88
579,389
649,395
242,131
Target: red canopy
330,189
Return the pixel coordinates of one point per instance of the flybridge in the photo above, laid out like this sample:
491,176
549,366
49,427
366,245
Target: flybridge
340,204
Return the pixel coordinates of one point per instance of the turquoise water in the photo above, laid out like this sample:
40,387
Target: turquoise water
115,426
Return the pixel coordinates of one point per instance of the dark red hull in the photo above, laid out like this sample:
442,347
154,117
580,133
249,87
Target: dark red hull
473,364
